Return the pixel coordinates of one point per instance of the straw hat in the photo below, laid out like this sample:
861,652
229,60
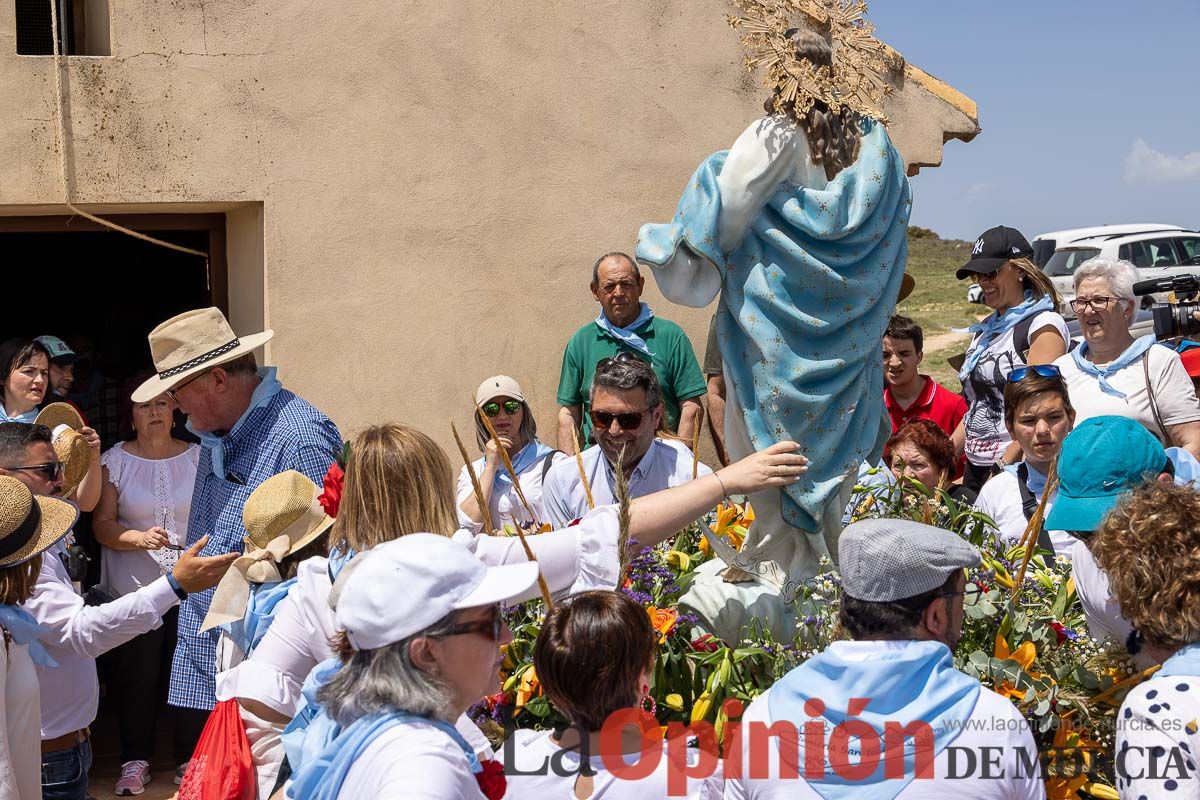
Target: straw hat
191,343
69,445
28,524
282,515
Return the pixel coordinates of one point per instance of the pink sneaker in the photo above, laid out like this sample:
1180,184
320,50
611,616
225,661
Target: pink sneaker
134,777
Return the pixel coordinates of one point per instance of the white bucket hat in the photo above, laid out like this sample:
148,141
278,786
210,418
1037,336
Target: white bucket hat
400,588
190,343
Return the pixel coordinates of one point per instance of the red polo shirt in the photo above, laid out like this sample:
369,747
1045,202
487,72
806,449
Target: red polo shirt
935,402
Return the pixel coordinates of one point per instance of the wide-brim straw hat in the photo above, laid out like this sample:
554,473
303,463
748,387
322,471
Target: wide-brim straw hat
284,505
69,445
190,343
282,516
28,524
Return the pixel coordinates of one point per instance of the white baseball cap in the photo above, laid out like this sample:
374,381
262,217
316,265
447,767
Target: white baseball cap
498,386
400,588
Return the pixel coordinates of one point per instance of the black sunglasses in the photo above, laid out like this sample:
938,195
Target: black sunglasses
484,627
623,357
1043,370
510,407
51,469
627,421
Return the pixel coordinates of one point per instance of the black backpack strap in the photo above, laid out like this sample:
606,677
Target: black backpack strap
548,462
1029,506
1021,335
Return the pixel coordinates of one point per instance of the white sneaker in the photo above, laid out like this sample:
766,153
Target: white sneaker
134,777
182,768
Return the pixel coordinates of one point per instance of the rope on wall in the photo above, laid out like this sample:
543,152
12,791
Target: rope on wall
61,144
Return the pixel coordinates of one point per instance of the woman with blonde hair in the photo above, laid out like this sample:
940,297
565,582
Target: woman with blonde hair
1023,329
1149,546
398,482
28,526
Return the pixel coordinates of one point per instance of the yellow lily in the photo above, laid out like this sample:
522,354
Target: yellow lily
702,706
674,702
733,521
681,560
528,688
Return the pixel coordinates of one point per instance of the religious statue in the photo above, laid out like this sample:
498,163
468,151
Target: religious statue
801,227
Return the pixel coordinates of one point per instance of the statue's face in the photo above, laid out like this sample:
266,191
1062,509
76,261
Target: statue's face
618,287
618,407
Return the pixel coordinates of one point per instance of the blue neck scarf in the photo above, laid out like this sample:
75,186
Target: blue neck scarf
996,326
1186,661
322,753
28,416
337,561
266,391
1131,354
905,682
260,613
1037,480
24,629
626,335
529,455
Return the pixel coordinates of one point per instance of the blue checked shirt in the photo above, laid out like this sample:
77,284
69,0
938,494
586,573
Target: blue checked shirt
287,433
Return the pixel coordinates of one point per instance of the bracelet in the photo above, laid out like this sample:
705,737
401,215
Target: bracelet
724,491
176,588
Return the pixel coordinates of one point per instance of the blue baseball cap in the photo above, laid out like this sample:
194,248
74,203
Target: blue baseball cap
1100,460
60,351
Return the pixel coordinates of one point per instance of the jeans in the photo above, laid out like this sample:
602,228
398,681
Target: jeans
65,773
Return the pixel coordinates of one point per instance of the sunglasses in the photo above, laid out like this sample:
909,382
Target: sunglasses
627,421
1043,370
484,627
624,357
53,470
510,407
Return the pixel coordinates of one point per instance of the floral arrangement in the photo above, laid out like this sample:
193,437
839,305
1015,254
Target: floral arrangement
1027,641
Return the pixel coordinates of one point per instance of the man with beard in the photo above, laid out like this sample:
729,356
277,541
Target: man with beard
626,410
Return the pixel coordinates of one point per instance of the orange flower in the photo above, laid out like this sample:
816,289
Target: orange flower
1024,655
529,687
663,620
733,521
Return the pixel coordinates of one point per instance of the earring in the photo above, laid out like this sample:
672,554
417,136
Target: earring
646,696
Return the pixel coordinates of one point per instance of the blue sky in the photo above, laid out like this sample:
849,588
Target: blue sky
1090,111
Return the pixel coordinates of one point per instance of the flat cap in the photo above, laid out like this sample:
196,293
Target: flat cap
882,560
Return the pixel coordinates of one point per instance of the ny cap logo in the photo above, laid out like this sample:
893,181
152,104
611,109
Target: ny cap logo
978,248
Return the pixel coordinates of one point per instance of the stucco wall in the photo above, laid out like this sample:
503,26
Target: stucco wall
435,179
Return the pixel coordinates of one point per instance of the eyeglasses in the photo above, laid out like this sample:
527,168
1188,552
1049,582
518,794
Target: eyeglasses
627,421
51,469
174,393
510,407
484,627
970,594
1042,370
1100,303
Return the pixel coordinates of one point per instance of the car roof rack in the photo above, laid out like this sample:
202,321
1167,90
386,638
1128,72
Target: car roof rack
1108,237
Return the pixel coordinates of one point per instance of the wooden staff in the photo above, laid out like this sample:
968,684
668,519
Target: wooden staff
696,445
1030,536
587,489
622,492
484,513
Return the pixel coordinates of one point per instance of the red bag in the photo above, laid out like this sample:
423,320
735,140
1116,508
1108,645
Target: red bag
221,767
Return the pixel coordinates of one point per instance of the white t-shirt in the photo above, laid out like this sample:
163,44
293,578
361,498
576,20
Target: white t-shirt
1173,392
1160,713
414,761
150,492
1000,499
529,751
505,506
1100,607
987,438
994,724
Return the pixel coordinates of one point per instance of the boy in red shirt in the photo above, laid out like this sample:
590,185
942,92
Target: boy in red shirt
907,394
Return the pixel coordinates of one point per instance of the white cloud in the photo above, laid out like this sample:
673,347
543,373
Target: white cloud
976,190
1144,164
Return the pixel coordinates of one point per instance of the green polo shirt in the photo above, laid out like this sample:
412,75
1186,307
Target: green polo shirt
674,362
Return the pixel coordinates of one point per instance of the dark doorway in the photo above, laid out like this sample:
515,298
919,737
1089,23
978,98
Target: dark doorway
104,291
